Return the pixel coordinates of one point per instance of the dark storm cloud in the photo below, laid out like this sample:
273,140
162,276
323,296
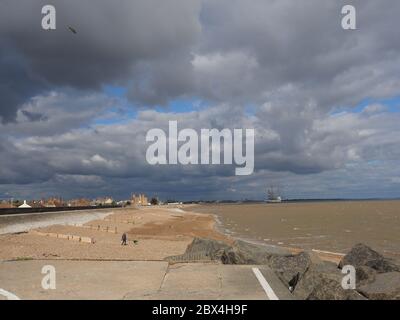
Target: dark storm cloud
157,82
298,47
226,51
22,166
17,82
112,38
60,111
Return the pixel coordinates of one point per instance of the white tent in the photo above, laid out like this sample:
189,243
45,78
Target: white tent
25,205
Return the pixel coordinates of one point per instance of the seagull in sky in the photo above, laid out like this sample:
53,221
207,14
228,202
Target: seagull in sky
72,30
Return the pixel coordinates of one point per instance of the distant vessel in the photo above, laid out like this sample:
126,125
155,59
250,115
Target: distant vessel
273,196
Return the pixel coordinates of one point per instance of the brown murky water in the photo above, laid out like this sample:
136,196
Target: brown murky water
332,226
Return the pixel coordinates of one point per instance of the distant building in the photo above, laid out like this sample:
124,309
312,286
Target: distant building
24,205
53,203
104,201
79,203
123,203
140,200
109,202
6,205
37,203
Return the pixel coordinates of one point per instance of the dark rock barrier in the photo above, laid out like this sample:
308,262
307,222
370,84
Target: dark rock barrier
305,275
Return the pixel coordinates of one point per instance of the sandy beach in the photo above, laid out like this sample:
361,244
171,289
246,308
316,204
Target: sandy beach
153,234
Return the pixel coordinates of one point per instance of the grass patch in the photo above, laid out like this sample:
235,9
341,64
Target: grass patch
23,259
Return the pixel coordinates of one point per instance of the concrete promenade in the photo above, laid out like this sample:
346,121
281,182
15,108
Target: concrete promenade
103,269
137,280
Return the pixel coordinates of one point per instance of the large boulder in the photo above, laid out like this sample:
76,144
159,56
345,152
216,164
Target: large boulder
365,275
210,248
290,268
330,289
250,254
323,281
240,253
362,255
385,287
201,250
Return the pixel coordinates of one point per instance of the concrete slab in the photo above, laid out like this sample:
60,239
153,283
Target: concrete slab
195,281
82,279
138,280
191,281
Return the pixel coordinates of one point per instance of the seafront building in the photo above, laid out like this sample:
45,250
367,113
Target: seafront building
79,203
6,204
108,201
140,200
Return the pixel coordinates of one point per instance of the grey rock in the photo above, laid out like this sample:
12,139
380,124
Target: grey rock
383,265
362,255
212,247
365,275
248,253
330,289
385,287
201,250
260,248
323,282
240,253
235,256
290,268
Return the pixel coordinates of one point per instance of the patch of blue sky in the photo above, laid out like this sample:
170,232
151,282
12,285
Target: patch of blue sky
180,105
250,109
115,116
123,110
374,162
183,105
115,91
391,105
127,111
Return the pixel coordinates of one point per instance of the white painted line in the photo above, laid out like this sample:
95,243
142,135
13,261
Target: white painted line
267,288
8,295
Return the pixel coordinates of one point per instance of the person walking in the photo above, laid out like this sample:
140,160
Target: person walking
124,240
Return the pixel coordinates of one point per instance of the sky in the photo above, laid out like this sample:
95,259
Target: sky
324,102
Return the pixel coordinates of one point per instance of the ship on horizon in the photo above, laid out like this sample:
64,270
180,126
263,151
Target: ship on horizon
273,196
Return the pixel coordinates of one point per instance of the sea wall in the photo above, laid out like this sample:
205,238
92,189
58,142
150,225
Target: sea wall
16,211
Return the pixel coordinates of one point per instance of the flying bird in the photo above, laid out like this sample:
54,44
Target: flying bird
72,30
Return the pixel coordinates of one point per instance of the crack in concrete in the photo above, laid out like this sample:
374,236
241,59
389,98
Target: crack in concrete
164,277
220,282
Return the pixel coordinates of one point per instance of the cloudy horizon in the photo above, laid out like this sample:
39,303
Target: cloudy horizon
324,102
